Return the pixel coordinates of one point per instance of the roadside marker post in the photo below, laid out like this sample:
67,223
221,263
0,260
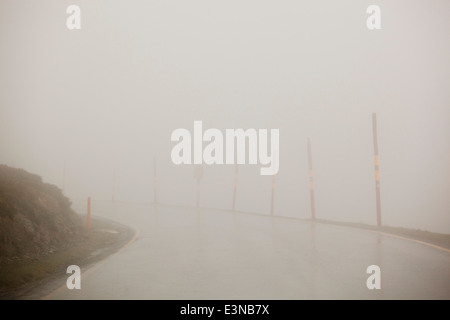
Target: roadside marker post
198,174
155,198
273,195
113,191
235,186
88,219
376,161
311,182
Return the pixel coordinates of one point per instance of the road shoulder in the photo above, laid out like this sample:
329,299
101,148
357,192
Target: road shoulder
38,278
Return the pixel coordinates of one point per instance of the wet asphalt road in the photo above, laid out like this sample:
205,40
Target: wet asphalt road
188,253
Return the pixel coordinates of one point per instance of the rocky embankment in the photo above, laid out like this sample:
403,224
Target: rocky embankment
35,217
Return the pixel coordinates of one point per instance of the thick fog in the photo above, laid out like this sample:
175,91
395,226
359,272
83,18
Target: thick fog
83,108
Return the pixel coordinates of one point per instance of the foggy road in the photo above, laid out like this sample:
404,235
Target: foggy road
188,253
290,107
